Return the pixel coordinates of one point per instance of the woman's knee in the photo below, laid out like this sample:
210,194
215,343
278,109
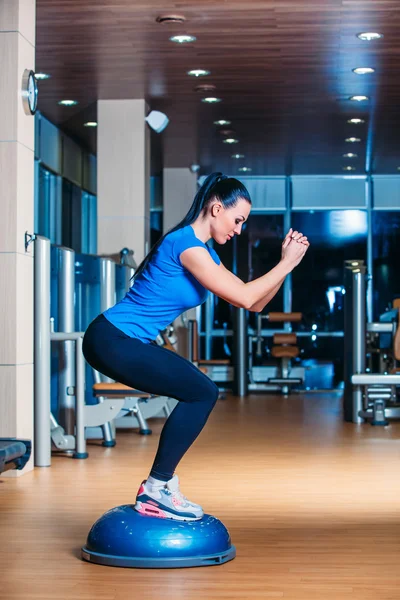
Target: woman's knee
204,390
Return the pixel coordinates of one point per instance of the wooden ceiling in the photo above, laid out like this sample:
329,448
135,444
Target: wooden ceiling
283,69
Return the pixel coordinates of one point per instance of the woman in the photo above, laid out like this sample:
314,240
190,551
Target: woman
176,275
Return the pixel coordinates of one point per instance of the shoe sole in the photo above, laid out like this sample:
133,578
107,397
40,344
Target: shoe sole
152,511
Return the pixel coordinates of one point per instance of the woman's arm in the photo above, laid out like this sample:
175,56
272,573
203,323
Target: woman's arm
257,307
227,286
243,295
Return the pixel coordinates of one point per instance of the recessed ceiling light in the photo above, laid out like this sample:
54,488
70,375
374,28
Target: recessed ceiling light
363,70
368,36
237,155
356,121
348,168
350,155
183,39
68,102
42,76
90,124
358,98
222,122
199,73
352,140
230,141
205,87
244,169
211,100
171,19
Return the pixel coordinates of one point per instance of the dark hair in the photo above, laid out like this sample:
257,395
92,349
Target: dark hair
217,186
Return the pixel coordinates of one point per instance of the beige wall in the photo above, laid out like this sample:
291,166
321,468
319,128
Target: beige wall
17,52
123,177
179,190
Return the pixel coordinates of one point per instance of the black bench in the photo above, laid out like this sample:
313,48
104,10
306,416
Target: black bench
14,453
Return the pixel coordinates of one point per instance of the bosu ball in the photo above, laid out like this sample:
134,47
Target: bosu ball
122,537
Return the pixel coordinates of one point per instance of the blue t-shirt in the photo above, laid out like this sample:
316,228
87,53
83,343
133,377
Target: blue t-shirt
163,291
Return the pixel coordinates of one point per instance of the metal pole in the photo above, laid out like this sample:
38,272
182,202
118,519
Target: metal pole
42,373
241,352
359,333
370,258
80,446
209,318
287,284
107,283
129,273
107,299
354,339
66,324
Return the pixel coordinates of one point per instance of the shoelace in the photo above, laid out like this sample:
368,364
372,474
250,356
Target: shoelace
179,495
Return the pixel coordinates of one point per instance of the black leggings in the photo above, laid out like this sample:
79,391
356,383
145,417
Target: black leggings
156,370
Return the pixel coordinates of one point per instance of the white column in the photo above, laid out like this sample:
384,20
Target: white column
179,190
123,177
17,52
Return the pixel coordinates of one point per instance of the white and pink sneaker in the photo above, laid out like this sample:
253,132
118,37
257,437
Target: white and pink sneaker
166,502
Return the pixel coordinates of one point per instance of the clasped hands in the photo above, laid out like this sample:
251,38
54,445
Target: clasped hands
294,247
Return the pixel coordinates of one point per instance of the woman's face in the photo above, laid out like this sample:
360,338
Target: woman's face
229,221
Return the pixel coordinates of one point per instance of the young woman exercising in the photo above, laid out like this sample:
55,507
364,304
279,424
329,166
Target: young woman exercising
176,275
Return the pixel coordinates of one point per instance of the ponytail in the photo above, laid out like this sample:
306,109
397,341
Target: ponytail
217,186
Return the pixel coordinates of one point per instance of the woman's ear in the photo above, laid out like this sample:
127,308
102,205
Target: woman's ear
215,209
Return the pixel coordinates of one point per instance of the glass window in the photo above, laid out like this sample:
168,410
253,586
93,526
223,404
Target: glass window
71,216
317,282
47,204
89,223
252,254
156,226
386,253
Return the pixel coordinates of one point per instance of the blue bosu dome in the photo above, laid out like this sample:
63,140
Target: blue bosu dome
122,537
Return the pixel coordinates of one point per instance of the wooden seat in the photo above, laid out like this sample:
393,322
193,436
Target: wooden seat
285,351
293,317
285,345
217,361
116,390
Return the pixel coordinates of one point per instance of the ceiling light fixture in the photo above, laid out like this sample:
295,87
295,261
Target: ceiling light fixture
211,100
356,121
90,124
230,141
68,102
244,169
363,70
348,168
222,122
171,19
42,76
237,155
352,140
183,39
368,36
358,98
205,87
350,155
198,73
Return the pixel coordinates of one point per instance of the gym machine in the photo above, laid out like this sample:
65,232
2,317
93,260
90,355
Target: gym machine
367,396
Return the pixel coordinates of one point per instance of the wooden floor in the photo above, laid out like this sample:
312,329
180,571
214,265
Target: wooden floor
312,505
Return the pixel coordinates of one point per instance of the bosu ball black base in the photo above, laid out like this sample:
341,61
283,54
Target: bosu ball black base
122,537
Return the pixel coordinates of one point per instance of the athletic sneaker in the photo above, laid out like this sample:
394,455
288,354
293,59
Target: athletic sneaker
167,502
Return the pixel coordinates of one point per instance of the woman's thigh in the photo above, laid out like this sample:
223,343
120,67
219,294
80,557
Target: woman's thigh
147,367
